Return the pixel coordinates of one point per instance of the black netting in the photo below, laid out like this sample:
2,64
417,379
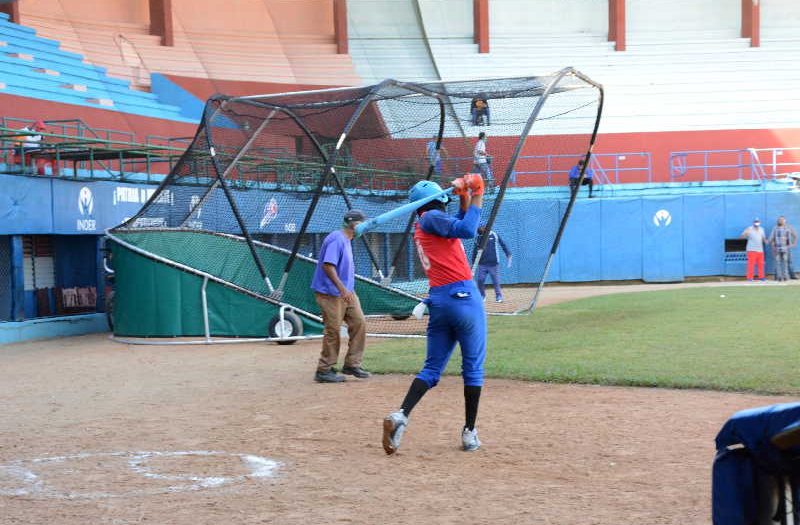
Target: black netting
5,278
281,170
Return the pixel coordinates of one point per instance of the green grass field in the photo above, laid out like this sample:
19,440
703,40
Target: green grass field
748,340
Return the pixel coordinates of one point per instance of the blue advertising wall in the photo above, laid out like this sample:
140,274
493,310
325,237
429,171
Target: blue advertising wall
657,238
30,205
667,238
662,239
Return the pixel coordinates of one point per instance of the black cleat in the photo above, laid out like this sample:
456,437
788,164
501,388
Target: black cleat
356,371
329,376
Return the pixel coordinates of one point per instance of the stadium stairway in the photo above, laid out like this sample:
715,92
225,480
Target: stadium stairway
387,41
36,67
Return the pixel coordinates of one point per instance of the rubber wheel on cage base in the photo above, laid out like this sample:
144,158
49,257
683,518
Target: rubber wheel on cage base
292,326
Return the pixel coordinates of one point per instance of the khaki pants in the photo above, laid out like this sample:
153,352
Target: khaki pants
335,311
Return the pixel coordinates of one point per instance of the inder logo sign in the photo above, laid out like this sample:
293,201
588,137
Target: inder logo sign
86,221
662,218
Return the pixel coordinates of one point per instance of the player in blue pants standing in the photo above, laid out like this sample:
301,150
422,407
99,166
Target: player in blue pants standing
454,303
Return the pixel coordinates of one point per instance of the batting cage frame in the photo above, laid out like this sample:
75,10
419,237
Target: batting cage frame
201,258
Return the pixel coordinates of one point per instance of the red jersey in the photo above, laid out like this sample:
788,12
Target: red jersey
443,258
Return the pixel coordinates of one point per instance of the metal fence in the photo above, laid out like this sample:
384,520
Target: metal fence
756,164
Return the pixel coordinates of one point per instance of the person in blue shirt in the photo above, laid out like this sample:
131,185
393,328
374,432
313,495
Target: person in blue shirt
575,175
490,261
333,284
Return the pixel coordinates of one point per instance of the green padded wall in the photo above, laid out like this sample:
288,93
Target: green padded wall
155,299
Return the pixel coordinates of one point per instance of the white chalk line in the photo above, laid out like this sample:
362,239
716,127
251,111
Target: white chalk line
28,483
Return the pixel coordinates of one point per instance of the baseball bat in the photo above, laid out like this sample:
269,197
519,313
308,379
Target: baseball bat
400,211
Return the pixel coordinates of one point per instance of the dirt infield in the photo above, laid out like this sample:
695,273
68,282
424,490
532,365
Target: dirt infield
98,432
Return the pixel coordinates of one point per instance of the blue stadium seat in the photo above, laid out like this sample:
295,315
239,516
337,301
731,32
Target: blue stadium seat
31,66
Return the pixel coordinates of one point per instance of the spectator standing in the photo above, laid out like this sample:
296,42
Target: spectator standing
489,263
333,284
481,160
756,239
792,246
575,177
780,241
435,155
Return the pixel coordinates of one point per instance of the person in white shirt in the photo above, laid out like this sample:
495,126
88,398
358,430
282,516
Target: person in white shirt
482,161
756,239
29,143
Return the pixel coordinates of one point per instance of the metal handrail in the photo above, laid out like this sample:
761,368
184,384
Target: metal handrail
79,125
757,167
606,167
118,39
773,163
7,133
747,163
155,140
58,146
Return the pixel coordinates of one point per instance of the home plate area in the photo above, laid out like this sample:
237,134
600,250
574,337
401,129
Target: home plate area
124,474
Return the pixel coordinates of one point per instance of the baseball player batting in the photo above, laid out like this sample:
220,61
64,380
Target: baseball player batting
456,313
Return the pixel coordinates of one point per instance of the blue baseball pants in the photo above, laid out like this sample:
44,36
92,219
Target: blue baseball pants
488,270
456,316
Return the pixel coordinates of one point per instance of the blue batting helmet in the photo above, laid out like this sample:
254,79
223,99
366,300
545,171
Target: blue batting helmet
426,188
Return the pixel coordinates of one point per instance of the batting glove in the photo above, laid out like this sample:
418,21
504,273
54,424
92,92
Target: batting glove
474,182
461,187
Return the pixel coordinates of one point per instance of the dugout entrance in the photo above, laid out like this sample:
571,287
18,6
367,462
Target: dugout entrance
227,243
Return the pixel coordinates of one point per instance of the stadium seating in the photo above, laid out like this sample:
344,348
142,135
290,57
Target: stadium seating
386,41
654,85
697,78
36,67
128,50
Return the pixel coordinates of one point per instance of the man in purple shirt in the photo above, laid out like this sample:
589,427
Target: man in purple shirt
333,284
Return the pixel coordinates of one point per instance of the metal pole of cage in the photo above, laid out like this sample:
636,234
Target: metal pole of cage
574,194
278,292
329,171
428,176
236,214
204,298
230,167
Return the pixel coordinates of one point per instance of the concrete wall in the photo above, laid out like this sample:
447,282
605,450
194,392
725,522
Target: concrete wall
657,18
780,19
382,19
447,18
512,18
